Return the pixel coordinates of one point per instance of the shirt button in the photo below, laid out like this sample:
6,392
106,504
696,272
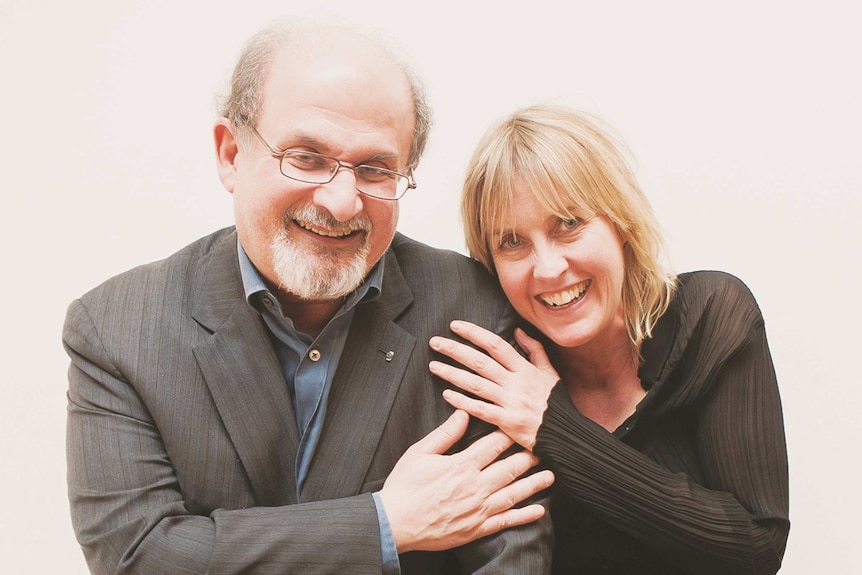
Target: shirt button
314,355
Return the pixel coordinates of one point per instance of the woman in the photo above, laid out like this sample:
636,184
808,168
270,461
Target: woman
652,397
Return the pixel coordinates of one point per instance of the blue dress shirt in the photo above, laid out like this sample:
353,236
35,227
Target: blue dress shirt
309,365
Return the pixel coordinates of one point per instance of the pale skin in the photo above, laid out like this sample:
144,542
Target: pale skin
564,275
515,390
329,100
435,501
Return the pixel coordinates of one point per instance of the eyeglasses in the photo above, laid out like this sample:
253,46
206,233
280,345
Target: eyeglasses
313,168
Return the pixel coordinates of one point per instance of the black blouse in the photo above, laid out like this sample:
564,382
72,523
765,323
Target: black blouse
696,480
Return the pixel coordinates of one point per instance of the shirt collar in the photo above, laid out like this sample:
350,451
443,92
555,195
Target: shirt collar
253,283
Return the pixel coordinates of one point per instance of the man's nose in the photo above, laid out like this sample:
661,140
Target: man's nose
340,196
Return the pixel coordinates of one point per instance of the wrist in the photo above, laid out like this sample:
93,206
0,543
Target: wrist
397,531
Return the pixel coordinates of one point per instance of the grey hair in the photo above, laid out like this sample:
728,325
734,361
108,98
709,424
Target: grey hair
243,103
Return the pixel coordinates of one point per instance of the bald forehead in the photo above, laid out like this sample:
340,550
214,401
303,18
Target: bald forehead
342,90
339,64
330,45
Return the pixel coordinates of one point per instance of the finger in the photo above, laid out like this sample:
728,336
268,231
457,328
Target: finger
469,382
499,349
444,436
534,349
509,496
479,409
505,499
501,473
486,449
512,518
469,357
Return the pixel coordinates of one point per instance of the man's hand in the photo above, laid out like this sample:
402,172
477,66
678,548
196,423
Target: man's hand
435,501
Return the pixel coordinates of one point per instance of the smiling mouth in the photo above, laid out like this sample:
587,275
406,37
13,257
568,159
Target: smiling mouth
327,233
566,297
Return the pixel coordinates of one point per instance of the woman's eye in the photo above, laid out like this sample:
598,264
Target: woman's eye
571,223
510,242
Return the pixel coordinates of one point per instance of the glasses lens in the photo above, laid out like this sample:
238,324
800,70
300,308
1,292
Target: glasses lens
380,183
308,166
319,169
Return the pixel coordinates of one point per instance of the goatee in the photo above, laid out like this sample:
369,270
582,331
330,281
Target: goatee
316,272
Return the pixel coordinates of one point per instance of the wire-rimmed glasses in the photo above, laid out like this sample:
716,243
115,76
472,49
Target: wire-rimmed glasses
314,168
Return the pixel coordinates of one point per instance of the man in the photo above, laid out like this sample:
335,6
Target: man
241,406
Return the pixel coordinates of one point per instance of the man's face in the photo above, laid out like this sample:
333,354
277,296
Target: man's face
318,241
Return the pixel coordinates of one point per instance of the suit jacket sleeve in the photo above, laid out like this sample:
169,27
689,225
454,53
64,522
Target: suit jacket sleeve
130,512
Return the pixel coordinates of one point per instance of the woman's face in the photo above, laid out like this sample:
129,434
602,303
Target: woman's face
564,276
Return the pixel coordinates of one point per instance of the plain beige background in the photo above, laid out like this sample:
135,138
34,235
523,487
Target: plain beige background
744,118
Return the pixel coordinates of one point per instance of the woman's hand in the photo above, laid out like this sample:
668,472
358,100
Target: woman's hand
515,390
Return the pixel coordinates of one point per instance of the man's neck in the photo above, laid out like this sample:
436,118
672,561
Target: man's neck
309,317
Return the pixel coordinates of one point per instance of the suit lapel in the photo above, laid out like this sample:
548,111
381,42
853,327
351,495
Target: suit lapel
245,379
369,374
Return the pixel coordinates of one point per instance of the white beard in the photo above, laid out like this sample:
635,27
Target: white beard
319,273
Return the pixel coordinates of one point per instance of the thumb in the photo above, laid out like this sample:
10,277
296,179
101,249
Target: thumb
445,435
535,351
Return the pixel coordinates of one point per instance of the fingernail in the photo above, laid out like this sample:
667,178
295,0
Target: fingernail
456,325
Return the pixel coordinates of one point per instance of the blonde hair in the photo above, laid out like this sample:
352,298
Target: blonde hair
570,162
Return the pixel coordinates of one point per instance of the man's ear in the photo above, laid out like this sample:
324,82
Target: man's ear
226,152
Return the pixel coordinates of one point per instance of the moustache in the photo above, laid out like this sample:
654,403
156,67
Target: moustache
322,219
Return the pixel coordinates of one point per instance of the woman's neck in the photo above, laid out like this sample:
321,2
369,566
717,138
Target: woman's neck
603,384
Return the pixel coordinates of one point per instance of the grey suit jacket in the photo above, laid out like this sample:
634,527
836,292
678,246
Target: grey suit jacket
181,438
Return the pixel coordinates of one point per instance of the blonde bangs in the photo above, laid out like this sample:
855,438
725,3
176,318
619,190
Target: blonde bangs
487,195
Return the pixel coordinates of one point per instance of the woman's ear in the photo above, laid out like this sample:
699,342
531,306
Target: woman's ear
226,148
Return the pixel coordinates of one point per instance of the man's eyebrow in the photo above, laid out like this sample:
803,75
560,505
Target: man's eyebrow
320,147
303,140
381,157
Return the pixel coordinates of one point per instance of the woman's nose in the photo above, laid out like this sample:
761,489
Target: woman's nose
549,262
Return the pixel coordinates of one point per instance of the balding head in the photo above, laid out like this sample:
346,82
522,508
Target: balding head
243,104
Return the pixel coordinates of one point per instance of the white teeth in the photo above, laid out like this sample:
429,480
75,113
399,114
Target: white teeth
322,232
565,297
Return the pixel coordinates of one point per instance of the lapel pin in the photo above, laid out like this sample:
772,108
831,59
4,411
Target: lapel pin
389,355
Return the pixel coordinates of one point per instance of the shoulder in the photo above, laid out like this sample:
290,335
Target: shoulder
713,281
408,249
164,282
196,251
715,296
418,260
444,282
712,316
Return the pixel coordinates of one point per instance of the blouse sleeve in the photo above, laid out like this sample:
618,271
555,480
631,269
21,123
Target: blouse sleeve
734,519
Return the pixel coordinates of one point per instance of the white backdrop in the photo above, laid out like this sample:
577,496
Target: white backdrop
744,118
